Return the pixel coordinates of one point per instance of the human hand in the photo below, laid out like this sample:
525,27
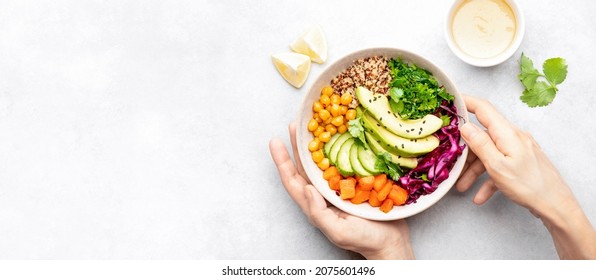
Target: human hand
516,164
519,169
372,239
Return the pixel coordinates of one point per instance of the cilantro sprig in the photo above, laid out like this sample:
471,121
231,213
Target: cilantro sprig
356,129
385,164
414,92
540,89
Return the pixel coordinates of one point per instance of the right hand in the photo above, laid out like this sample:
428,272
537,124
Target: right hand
516,164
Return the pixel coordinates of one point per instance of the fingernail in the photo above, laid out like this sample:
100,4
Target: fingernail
469,130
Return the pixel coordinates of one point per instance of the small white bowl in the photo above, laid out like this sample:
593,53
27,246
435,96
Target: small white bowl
315,175
494,60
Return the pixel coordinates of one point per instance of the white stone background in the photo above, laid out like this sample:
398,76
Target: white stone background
140,129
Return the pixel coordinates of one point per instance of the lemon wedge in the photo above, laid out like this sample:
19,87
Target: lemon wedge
313,44
293,67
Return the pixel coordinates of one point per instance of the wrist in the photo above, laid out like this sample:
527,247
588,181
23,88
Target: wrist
573,234
554,206
402,251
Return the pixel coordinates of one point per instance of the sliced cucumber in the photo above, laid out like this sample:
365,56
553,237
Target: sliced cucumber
343,158
328,145
368,160
375,146
358,169
336,146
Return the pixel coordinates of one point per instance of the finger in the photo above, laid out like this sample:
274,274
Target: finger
502,132
480,143
292,129
469,160
531,139
468,178
293,182
485,192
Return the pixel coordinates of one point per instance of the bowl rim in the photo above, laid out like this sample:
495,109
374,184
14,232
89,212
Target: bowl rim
491,61
302,134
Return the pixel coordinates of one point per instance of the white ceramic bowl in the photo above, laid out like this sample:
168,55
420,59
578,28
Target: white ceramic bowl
315,175
486,62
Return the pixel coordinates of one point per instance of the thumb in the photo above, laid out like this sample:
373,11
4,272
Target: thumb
480,143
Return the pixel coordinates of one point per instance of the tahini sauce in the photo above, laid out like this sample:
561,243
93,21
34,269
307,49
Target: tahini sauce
483,28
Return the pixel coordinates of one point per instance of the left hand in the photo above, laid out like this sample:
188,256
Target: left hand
372,239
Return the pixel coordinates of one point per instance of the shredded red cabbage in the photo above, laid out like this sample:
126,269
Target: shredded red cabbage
436,164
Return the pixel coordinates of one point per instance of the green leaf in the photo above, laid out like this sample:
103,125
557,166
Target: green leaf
528,74
384,164
540,95
446,120
541,89
396,107
356,129
555,70
396,93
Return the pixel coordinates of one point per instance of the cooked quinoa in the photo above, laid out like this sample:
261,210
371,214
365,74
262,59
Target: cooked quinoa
371,72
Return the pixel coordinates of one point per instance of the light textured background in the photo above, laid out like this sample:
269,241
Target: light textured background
139,129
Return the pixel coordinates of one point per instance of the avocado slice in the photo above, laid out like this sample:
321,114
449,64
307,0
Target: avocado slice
399,145
356,165
375,146
343,158
378,106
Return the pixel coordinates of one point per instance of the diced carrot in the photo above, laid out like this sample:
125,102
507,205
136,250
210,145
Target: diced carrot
380,181
361,196
373,200
367,183
352,179
330,172
334,182
347,188
398,195
387,205
384,192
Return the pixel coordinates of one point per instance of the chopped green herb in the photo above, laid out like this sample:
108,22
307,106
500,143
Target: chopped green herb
414,92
